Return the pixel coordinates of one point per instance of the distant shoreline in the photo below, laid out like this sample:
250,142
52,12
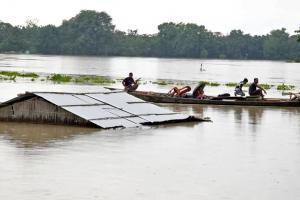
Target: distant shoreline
116,56
93,33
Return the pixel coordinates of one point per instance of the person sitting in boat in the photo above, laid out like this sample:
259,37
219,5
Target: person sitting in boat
253,91
179,92
294,96
198,92
129,83
239,88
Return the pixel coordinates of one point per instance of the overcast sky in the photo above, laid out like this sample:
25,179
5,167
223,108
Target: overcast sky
251,16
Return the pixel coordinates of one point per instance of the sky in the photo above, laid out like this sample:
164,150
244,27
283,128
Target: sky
256,17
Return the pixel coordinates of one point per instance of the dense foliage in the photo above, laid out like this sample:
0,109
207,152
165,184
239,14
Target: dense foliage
92,33
298,36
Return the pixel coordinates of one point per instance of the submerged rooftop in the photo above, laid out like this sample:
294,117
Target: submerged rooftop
103,110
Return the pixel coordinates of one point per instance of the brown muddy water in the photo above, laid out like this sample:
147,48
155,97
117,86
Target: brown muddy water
245,153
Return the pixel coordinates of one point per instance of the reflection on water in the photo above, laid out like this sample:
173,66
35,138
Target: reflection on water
26,135
178,125
244,152
240,114
245,119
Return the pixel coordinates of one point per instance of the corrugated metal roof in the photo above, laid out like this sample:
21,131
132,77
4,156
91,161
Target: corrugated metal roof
111,109
91,112
145,109
88,99
63,99
110,123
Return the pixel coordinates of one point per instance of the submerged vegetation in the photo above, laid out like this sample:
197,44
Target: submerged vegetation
84,79
92,79
169,82
59,78
263,85
285,87
212,84
29,75
15,74
231,84
10,75
161,82
93,33
266,86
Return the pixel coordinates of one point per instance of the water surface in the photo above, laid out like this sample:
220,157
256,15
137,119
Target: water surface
245,153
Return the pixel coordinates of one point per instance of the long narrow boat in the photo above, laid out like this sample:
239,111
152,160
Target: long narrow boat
242,101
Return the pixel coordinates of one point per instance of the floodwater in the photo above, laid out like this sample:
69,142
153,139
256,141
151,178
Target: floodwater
245,153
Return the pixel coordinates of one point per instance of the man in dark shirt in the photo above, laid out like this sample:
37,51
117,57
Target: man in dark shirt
129,83
253,91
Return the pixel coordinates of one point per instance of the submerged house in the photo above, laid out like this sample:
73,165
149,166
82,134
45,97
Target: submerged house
103,110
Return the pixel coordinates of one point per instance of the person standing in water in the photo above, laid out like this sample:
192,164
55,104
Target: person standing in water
201,68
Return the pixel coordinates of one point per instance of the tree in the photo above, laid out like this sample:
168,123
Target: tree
168,33
11,39
298,35
30,35
92,33
48,40
294,49
89,32
182,40
276,45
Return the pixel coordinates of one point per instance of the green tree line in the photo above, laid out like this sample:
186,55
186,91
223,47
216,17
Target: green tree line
92,33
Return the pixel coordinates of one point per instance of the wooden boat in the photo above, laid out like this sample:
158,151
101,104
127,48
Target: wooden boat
241,101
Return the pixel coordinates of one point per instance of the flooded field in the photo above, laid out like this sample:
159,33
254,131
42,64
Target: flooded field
245,153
